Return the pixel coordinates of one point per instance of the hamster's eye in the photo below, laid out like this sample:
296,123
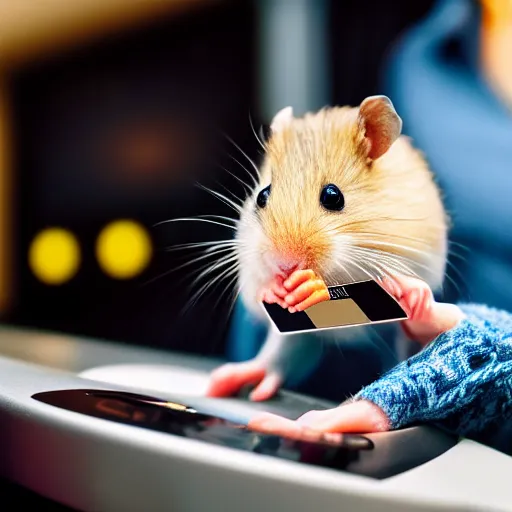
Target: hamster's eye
262,198
331,198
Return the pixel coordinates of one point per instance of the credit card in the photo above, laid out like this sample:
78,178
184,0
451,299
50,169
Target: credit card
364,302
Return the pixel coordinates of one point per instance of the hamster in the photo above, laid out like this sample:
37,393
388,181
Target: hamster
341,192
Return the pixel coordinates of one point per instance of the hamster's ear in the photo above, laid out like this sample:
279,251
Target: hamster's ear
282,119
381,123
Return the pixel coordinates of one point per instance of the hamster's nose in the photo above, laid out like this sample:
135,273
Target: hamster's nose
282,264
288,268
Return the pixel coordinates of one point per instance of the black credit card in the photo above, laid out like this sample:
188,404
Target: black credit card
364,302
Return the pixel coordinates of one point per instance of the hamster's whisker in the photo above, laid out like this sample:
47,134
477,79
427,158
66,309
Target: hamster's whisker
204,216
382,254
253,165
232,268
215,251
208,253
382,243
221,217
199,245
340,244
385,236
256,135
221,262
234,296
382,235
209,215
226,200
385,267
212,250
209,284
204,246
248,189
209,267
366,215
196,219
418,251
451,252
451,265
367,266
362,269
248,172
226,288
238,200
234,220
402,262
409,259
379,253
329,282
206,270
461,246
200,258
388,268
382,261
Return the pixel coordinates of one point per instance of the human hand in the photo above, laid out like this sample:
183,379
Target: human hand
427,319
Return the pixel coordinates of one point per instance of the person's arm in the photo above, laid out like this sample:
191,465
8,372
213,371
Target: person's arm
461,379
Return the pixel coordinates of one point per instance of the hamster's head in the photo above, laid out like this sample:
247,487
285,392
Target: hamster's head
333,197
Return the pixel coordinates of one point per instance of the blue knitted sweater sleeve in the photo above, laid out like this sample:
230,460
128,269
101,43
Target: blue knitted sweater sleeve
461,381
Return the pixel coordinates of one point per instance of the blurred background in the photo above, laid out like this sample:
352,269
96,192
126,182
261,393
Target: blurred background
112,110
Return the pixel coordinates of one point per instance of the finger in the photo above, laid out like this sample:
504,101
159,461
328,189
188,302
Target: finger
390,284
271,298
305,290
443,317
414,295
267,388
314,298
427,318
229,379
267,423
356,417
298,277
278,288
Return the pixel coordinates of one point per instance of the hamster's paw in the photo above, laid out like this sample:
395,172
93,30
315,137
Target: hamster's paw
274,293
304,289
427,318
229,379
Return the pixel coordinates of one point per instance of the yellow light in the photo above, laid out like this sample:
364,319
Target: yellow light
54,256
123,249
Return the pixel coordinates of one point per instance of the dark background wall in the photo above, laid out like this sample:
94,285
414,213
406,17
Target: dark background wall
182,83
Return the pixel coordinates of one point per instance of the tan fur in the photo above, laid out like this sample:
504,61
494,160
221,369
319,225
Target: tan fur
392,204
394,196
